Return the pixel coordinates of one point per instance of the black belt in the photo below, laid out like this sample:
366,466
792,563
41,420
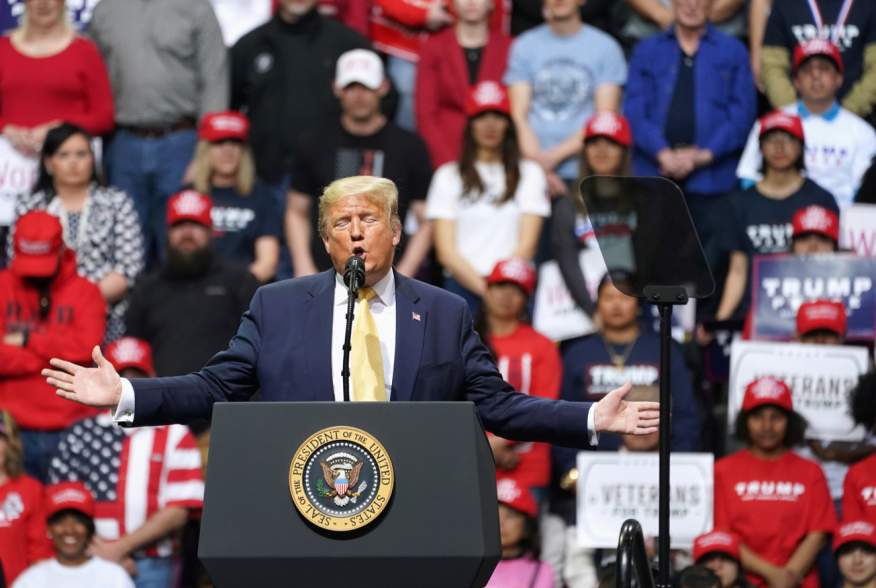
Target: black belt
156,132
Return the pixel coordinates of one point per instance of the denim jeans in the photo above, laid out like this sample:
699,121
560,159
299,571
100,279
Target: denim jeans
39,447
150,171
156,572
404,77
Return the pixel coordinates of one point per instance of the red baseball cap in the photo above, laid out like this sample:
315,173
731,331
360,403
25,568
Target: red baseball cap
767,391
782,121
716,542
39,238
130,352
816,219
68,495
815,315
854,531
817,48
515,271
611,126
511,493
487,96
218,126
189,205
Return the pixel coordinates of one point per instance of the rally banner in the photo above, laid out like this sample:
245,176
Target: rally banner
858,229
780,283
821,378
614,487
17,175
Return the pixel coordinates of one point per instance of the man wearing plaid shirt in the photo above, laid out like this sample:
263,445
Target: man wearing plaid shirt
146,481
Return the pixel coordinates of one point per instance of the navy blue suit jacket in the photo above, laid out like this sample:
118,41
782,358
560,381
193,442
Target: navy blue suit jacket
283,347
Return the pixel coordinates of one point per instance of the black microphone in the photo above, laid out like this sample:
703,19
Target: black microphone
354,273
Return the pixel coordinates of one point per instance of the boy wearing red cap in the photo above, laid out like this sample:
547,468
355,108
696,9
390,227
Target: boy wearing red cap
854,544
69,510
822,322
719,551
776,502
140,501
815,229
50,311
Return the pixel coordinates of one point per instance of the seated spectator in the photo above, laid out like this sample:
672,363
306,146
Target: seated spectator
854,545
649,17
518,530
69,511
605,152
821,322
719,552
181,65
360,142
50,312
859,486
192,279
689,99
489,205
559,74
100,223
50,74
777,502
134,526
23,528
839,144
246,225
848,24
814,229
527,360
451,63
760,216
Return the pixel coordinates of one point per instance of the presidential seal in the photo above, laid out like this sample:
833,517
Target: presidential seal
341,479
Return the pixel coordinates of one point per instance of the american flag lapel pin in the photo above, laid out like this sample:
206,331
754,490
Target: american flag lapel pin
415,316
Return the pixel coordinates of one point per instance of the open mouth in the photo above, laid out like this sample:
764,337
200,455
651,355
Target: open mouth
358,251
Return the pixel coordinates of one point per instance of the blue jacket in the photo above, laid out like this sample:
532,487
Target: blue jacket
725,104
283,347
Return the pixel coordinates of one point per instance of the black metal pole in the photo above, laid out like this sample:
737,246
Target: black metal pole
665,436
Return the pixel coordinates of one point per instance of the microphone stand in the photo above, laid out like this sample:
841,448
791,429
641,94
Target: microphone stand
354,273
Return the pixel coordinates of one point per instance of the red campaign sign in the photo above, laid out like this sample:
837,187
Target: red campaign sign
781,283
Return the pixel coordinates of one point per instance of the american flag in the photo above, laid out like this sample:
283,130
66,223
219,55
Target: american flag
133,473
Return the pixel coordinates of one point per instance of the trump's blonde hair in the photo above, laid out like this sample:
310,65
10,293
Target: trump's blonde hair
379,191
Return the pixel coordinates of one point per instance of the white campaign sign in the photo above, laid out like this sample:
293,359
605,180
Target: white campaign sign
555,314
821,378
17,175
614,487
858,229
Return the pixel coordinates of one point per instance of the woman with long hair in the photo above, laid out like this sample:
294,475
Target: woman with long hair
49,74
246,222
489,205
100,223
23,538
605,151
777,502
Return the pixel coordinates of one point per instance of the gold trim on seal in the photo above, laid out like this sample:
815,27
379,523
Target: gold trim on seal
318,515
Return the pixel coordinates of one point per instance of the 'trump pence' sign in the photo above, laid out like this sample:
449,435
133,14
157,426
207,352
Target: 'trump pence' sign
613,487
821,378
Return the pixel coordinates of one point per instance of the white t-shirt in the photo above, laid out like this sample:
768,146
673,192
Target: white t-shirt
93,573
839,148
486,231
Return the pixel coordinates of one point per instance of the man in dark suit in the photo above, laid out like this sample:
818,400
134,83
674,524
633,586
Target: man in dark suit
410,341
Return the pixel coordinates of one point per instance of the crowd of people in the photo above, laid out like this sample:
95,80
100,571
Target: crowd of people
177,150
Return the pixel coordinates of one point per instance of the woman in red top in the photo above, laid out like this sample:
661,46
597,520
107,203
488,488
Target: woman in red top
776,501
23,538
49,74
451,63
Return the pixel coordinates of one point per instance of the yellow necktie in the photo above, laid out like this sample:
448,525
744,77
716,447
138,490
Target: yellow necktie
366,361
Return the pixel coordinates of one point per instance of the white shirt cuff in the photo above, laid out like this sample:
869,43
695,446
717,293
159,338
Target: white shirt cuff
591,421
124,412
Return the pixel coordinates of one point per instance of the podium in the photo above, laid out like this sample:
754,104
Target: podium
438,528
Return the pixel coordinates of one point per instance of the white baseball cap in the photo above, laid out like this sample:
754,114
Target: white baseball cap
359,66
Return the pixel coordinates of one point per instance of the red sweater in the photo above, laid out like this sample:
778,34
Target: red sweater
442,88
23,539
531,363
72,86
74,325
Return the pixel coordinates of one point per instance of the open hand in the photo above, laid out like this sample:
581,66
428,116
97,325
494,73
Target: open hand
99,386
616,415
